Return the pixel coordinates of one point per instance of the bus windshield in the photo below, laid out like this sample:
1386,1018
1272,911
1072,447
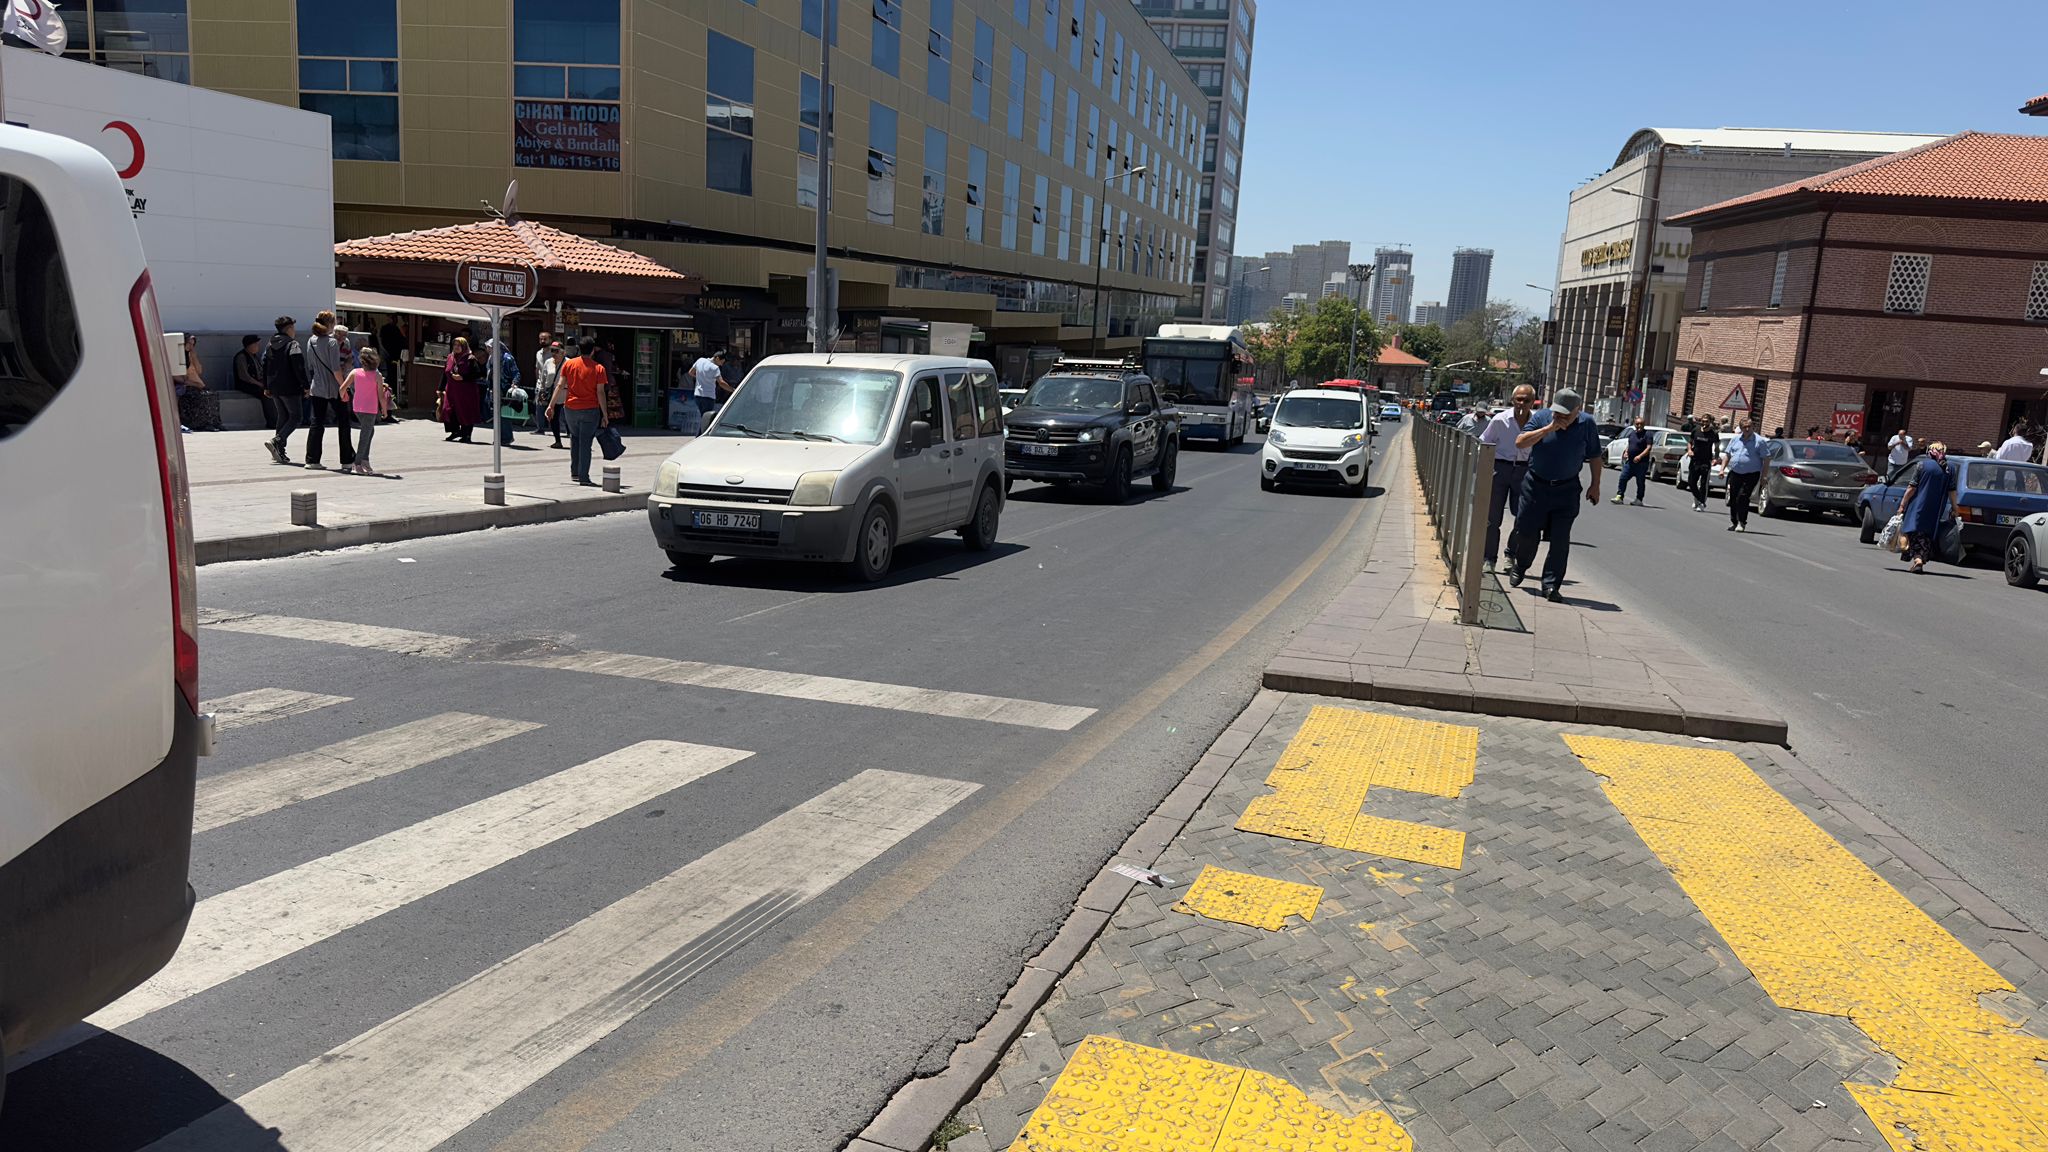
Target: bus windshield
1191,371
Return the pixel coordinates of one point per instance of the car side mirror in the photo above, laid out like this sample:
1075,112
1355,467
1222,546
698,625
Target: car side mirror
917,437
1141,409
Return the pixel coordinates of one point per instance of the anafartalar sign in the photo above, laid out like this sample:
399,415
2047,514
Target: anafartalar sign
1612,252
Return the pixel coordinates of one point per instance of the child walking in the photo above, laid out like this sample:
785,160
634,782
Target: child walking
363,392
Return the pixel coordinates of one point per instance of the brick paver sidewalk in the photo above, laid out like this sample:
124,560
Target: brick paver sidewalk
1555,985
241,501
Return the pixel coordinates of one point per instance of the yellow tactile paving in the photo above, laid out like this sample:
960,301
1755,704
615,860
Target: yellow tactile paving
1115,1096
1337,755
1824,933
1242,898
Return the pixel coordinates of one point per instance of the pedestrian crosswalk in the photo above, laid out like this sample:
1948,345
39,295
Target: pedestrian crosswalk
444,1061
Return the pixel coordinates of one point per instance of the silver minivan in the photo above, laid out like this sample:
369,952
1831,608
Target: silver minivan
838,458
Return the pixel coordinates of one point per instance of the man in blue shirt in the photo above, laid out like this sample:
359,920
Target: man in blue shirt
1744,460
1560,441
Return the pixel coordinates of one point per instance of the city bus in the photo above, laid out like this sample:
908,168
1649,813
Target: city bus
1196,368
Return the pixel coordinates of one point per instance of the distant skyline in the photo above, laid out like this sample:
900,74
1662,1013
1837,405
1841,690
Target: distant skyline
1508,107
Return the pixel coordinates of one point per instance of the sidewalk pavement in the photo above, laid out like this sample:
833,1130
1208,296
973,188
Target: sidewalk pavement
1393,635
241,501
1652,942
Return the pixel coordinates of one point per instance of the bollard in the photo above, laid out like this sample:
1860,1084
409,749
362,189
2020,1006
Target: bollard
494,487
611,477
306,508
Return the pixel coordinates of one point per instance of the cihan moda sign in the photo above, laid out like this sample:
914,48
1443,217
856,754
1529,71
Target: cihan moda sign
572,135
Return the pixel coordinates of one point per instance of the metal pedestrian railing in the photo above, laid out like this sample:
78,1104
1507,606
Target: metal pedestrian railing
1457,479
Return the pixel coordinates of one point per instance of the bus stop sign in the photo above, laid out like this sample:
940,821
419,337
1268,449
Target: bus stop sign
495,285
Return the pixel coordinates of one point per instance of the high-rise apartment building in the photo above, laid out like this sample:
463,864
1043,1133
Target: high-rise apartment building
1213,40
981,155
1393,284
1304,269
1430,312
1471,274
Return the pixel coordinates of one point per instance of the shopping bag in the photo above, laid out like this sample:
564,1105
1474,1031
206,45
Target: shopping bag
1952,541
1890,538
610,442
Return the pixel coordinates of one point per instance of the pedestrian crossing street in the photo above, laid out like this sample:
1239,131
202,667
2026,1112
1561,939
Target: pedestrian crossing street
423,1075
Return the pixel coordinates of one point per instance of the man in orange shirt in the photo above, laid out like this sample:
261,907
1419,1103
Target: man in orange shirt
579,391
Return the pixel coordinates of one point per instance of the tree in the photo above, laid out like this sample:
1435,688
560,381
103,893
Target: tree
1479,337
1423,341
1268,342
1525,348
1321,344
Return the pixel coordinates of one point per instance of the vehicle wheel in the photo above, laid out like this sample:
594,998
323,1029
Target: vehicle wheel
1116,487
980,532
1771,511
1169,464
688,559
1267,483
1357,491
875,549
1007,485
2019,563
1866,527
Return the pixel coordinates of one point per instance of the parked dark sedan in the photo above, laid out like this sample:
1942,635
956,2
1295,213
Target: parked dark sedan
1994,495
1812,476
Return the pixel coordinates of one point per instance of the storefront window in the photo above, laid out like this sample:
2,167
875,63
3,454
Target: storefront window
728,115
348,69
146,37
565,51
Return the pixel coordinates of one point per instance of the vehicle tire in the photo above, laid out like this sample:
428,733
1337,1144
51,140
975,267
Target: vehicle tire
1007,485
688,559
2020,571
874,549
1169,465
1357,491
980,532
1116,487
1266,483
1771,511
1866,526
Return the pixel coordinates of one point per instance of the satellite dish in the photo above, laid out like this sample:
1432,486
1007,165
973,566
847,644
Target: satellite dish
511,208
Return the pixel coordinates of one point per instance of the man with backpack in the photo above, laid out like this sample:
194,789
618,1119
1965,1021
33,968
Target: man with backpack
284,381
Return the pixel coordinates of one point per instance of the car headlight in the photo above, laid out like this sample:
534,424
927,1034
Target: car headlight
1354,440
1276,436
670,475
1088,436
814,488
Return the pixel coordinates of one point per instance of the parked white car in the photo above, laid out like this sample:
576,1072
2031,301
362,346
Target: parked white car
1666,454
1319,436
840,458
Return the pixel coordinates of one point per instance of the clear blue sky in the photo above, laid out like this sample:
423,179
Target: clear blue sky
1451,125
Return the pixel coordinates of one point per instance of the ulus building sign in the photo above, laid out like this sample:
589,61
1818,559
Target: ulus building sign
1613,252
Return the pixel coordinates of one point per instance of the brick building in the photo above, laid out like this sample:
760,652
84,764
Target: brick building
1911,290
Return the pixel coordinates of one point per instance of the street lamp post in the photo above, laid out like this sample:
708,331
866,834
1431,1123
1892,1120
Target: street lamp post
1551,318
1362,273
821,297
1102,251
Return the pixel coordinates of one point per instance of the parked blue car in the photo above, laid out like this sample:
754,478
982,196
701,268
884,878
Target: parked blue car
1994,495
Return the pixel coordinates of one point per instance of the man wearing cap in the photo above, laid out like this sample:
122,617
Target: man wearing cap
1560,441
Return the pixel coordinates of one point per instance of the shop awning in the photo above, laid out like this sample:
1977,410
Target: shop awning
355,300
629,317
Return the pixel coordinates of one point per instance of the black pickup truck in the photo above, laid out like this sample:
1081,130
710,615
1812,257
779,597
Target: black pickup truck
1099,423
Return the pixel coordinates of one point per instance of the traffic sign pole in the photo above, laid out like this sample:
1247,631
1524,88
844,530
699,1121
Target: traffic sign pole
495,287
497,390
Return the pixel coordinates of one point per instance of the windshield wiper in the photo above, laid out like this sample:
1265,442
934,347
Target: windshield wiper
827,436
754,432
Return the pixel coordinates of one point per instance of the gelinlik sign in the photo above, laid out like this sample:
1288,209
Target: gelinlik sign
570,135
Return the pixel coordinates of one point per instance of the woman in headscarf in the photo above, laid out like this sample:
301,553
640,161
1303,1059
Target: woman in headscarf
460,400
1931,494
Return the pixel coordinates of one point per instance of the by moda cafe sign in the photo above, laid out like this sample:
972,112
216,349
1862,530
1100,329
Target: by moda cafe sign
1613,252
567,135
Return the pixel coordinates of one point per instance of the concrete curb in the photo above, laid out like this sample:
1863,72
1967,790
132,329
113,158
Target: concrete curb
291,541
907,1121
1533,700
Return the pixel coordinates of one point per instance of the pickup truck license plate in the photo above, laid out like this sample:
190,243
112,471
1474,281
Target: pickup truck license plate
749,521
1041,450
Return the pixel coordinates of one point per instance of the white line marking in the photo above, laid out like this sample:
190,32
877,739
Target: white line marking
1795,556
728,677
244,709
241,930
426,1074
261,788
775,607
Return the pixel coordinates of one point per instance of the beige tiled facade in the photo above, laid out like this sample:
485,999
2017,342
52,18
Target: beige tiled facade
456,143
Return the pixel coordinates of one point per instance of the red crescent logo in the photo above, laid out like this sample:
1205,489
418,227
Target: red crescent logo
134,144
33,9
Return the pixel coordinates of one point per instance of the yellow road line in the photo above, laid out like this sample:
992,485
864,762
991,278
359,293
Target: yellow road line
1115,1096
1823,933
1337,755
1242,898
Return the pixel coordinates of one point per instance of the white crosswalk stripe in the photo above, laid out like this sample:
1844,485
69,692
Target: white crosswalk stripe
241,930
425,1075
264,704
259,788
727,677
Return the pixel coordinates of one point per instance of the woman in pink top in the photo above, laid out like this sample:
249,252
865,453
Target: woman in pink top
363,392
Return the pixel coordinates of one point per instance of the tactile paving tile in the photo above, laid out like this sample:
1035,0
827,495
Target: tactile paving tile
1824,933
1115,1096
1338,755
1242,898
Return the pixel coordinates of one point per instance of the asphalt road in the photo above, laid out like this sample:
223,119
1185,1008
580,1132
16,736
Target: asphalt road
1920,696
849,939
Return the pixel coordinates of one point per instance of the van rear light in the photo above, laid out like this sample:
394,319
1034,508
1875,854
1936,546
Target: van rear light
177,497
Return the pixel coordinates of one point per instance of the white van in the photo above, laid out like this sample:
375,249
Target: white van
99,650
839,458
